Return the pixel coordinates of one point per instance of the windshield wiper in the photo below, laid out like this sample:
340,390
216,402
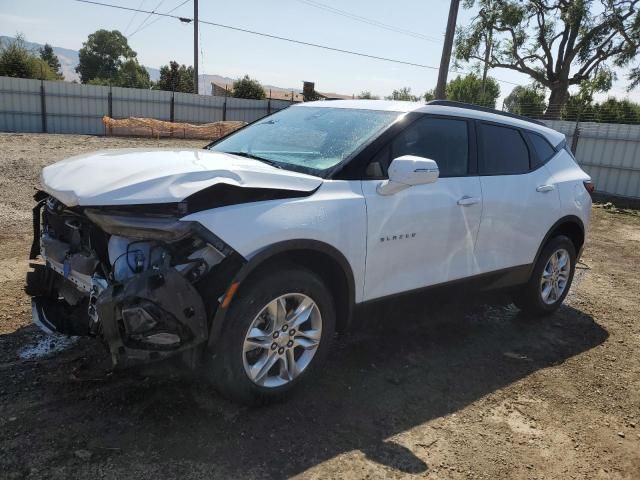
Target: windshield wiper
255,157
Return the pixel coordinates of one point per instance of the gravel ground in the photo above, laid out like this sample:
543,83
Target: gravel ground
438,389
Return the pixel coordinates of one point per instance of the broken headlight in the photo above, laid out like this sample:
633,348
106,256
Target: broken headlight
164,228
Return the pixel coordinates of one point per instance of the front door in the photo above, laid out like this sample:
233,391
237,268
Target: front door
423,235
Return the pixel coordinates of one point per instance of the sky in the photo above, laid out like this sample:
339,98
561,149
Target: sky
66,23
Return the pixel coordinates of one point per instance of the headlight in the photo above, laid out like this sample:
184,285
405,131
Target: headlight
167,229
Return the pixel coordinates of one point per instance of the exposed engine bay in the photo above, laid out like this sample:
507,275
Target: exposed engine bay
145,284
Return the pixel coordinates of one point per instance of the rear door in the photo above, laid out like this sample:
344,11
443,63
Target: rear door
425,234
520,202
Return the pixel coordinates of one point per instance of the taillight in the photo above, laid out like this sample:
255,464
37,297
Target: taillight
589,186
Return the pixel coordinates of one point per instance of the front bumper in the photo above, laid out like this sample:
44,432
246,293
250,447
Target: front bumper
150,315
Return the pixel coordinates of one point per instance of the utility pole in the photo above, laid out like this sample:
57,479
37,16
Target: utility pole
195,46
446,50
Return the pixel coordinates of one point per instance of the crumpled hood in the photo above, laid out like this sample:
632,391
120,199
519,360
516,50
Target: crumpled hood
137,176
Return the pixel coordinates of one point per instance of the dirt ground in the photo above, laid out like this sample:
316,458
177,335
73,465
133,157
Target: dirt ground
450,389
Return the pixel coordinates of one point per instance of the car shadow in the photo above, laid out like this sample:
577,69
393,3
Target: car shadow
407,363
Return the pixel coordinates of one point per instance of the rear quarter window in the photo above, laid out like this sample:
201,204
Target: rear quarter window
543,149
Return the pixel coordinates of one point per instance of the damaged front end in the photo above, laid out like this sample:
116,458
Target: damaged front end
135,276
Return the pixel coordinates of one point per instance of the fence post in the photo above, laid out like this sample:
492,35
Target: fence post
43,106
172,106
224,105
110,108
574,139
110,103
576,134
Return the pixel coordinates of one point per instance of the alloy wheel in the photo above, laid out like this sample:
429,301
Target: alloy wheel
282,340
555,276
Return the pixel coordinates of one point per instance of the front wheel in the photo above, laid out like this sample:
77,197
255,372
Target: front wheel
278,329
551,278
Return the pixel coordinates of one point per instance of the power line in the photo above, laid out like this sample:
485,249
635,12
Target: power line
262,34
277,37
316,45
121,7
135,14
147,18
159,18
369,21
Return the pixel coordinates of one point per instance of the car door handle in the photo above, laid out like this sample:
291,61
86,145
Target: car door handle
467,200
545,188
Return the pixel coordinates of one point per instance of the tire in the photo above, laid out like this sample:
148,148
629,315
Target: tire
255,308
531,298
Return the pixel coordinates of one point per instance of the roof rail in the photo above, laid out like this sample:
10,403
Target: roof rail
469,106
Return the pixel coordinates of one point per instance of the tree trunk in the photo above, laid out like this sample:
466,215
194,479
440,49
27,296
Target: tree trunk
485,70
557,99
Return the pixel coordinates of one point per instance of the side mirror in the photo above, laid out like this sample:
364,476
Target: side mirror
409,170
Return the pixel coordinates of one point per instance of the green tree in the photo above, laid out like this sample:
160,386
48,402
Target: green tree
46,54
611,110
102,55
129,75
367,95
103,81
17,61
247,87
429,95
176,77
132,75
528,101
470,89
617,111
558,43
403,94
580,105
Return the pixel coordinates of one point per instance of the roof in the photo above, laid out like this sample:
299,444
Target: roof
384,105
334,96
404,107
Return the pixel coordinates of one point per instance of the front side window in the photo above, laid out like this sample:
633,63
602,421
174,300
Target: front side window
441,139
307,139
503,151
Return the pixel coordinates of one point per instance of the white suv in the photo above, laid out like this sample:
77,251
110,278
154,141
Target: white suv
248,255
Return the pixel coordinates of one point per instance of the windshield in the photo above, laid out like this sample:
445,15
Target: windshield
307,139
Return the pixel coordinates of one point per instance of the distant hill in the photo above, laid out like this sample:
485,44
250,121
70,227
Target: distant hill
69,60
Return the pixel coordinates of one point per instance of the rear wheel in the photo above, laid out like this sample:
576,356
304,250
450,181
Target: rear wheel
551,278
277,331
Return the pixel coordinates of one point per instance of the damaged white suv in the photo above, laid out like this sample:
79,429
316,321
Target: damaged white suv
246,256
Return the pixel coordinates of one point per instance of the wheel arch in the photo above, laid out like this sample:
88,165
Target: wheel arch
571,226
319,257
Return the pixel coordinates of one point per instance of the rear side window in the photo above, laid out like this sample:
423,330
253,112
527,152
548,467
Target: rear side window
504,151
544,150
441,139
